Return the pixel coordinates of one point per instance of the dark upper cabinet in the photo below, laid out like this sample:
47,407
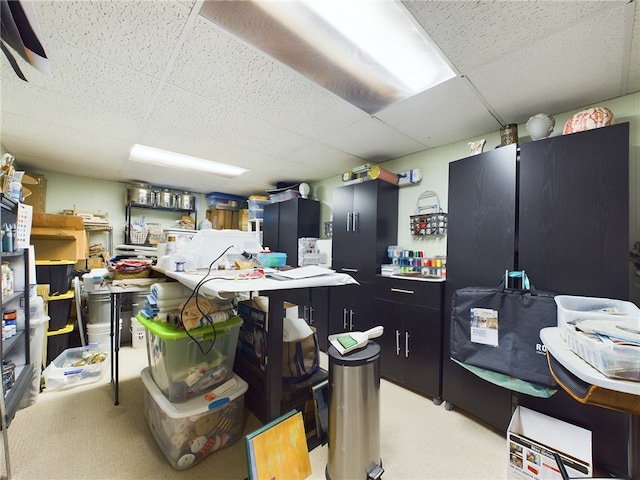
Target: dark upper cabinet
365,223
574,212
285,222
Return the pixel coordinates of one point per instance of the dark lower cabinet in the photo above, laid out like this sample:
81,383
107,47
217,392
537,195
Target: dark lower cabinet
411,346
351,308
313,306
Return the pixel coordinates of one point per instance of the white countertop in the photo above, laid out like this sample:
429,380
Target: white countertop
225,283
557,347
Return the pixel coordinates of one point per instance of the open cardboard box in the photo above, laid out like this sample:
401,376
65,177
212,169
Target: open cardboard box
533,437
58,237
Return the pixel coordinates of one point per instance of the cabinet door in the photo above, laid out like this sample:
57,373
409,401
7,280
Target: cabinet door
342,246
351,308
270,230
319,315
422,349
390,315
574,212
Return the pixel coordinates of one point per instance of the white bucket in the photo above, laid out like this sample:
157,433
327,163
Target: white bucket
100,333
99,308
137,334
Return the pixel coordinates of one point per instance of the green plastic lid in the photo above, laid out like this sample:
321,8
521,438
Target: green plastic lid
169,332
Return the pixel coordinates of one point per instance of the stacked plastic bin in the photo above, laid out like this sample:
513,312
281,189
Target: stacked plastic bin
58,275
194,404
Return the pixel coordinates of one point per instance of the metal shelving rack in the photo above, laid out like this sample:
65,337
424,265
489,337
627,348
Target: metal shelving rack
130,206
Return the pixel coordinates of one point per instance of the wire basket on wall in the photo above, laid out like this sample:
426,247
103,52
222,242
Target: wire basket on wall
429,218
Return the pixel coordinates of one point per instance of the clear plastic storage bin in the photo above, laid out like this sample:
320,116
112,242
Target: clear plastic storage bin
584,308
188,432
77,366
184,366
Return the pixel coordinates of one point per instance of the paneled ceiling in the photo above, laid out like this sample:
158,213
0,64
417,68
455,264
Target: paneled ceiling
159,73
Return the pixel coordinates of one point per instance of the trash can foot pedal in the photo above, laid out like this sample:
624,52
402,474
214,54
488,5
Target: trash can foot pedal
374,472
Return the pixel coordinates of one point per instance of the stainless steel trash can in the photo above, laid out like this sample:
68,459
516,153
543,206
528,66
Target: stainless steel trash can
354,414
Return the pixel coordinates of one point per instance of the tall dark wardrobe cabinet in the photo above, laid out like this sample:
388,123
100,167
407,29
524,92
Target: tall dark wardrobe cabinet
559,209
365,223
285,222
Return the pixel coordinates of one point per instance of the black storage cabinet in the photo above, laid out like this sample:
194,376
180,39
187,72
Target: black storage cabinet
559,209
285,222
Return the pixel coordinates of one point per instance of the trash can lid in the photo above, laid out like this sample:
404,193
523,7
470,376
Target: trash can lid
361,356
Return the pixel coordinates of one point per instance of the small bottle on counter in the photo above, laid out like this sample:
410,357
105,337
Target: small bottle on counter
171,244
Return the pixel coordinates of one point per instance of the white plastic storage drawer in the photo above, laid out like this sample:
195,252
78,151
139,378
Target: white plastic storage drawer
572,308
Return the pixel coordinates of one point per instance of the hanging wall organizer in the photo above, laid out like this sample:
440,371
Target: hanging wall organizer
429,219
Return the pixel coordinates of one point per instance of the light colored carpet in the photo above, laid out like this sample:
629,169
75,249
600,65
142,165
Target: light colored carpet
80,434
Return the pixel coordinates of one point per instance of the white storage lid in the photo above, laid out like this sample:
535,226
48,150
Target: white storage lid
197,405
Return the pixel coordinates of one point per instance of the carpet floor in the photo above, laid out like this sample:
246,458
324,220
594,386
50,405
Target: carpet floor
78,433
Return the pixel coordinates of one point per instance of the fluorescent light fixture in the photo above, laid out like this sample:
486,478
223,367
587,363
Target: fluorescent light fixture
370,52
179,161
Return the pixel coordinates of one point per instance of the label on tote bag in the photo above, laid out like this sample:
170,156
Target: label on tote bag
484,326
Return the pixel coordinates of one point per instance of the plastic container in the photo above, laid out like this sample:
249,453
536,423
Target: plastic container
224,201
57,273
576,308
37,345
273,259
616,361
284,196
59,310
256,207
179,367
77,366
188,432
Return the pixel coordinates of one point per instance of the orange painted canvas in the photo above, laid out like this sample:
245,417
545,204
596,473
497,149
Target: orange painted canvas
278,451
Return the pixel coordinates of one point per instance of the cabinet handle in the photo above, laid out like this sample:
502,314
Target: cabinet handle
356,218
310,315
402,290
349,269
349,220
397,343
304,313
406,344
344,318
350,319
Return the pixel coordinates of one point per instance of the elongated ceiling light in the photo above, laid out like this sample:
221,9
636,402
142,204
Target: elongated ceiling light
372,53
179,161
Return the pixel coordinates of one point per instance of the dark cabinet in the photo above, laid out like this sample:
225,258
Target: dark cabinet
411,346
351,308
365,223
559,209
313,306
285,222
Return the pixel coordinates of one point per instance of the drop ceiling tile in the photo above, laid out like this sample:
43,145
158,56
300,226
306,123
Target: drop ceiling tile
199,115
577,66
216,65
85,77
325,158
38,106
373,141
633,82
472,34
139,35
441,115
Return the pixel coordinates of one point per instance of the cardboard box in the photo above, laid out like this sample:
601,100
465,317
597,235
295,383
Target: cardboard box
59,237
533,437
252,341
223,219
